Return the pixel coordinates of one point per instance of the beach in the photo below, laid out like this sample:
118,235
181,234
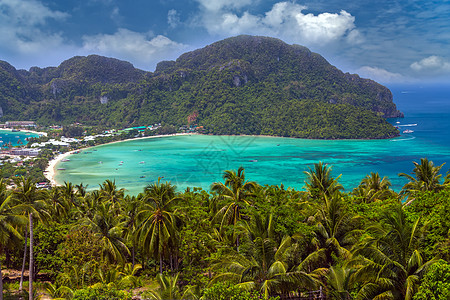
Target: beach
50,171
26,131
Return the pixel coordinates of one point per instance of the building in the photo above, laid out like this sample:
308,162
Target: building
20,124
24,152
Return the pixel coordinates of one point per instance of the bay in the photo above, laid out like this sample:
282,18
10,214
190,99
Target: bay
198,160
15,138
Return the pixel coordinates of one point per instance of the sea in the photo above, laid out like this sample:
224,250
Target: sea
199,160
15,138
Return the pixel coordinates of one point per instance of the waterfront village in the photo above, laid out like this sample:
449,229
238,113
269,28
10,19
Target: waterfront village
32,158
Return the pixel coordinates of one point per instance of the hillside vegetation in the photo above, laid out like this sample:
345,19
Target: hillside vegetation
241,85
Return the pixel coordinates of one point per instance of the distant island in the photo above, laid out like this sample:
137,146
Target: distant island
241,85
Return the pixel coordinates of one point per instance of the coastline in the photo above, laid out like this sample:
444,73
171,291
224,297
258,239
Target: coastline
50,171
26,131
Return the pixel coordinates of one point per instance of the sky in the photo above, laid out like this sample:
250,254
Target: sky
389,41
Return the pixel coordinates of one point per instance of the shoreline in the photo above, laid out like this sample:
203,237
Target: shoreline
26,131
50,171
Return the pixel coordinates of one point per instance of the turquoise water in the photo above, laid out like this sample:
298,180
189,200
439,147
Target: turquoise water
7,136
200,160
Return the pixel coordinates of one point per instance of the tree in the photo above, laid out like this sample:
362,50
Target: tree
319,181
107,226
157,222
340,282
9,221
109,191
29,201
390,262
373,188
168,288
426,177
237,193
336,232
436,283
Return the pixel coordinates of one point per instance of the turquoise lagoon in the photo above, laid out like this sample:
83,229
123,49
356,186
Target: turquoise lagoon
7,136
199,160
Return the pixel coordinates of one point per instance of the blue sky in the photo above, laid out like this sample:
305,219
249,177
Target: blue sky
387,40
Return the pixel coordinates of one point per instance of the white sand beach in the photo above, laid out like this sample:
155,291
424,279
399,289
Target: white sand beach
50,171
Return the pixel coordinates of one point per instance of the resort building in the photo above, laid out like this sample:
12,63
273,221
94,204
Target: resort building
21,151
20,124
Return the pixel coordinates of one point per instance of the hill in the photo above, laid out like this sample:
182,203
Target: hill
240,85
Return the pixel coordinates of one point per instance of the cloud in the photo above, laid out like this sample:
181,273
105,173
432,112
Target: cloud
285,20
142,49
380,75
22,26
219,5
431,64
173,18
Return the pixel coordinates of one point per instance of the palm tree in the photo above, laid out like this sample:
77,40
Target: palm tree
109,191
336,231
130,209
390,261
56,204
237,192
108,226
340,282
373,188
9,221
30,201
157,222
319,181
168,288
426,177
265,269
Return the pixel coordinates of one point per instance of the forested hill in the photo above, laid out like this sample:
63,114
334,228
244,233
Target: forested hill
240,85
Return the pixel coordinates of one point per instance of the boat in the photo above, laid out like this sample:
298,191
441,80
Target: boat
408,131
398,122
100,162
65,159
143,176
15,130
142,162
60,169
253,160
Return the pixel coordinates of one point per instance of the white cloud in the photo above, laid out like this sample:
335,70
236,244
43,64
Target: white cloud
218,5
285,20
380,75
142,49
21,26
432,64
173,18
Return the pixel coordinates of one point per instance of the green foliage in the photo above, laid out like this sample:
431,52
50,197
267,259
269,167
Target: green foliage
101,293
226,291
434,208
436,283
239,240
72,131
47,240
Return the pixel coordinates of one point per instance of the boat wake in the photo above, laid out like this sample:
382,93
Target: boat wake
407,125
401,140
